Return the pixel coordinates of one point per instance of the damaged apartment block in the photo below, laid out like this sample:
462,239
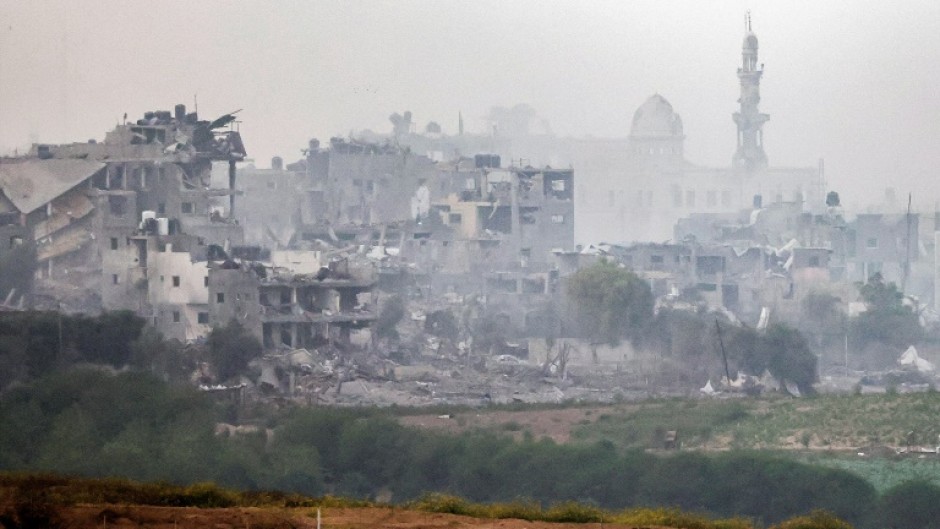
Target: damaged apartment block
128,223
287,310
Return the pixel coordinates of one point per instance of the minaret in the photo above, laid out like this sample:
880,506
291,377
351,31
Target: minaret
750,152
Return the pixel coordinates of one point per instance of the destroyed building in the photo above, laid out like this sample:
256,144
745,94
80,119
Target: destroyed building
117,224
505,224
635,188
268,203
887,244
361,183
286,309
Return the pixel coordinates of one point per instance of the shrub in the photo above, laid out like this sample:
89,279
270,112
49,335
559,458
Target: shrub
818,519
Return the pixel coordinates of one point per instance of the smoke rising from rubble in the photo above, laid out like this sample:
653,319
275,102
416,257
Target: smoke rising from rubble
849,82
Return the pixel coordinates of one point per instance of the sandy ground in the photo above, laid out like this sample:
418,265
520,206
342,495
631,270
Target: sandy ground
102,516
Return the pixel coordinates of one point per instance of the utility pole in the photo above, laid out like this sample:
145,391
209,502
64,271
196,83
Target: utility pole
907,249
724,355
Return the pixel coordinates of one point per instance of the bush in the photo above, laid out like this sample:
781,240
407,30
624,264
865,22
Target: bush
663,517
231,347
573,512
818,519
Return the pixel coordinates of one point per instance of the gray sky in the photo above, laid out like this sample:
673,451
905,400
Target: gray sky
854,82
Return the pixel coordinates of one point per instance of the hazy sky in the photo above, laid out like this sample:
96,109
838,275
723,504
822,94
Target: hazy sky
857,83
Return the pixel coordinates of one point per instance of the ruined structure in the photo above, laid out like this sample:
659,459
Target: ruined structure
293,310
128,223
269,204
357,183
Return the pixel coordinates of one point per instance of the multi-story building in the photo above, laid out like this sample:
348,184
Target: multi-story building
125,220
284,309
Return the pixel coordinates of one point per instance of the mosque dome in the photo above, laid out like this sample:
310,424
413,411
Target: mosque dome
655,118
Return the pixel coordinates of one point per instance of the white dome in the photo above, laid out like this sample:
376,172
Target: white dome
655,118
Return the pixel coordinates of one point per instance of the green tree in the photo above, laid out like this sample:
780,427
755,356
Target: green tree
491,330
393,311
231,347
610,303
887,319
789,358
163,358
911,505
105,339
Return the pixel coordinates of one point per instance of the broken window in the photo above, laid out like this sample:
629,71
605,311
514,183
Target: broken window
117,205
176,316
114,243
186,207
176,281
203,318
116,177
710,264
142,135
220,297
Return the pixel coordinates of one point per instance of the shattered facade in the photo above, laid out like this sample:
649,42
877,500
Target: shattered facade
118,224
287,310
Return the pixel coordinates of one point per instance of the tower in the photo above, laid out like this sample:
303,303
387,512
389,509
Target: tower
750,153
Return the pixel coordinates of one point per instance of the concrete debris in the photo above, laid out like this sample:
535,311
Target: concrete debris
910,359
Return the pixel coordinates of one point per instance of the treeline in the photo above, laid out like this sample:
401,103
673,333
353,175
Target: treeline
610,304
89,423
36,343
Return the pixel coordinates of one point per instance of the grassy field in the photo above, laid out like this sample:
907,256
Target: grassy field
842,423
